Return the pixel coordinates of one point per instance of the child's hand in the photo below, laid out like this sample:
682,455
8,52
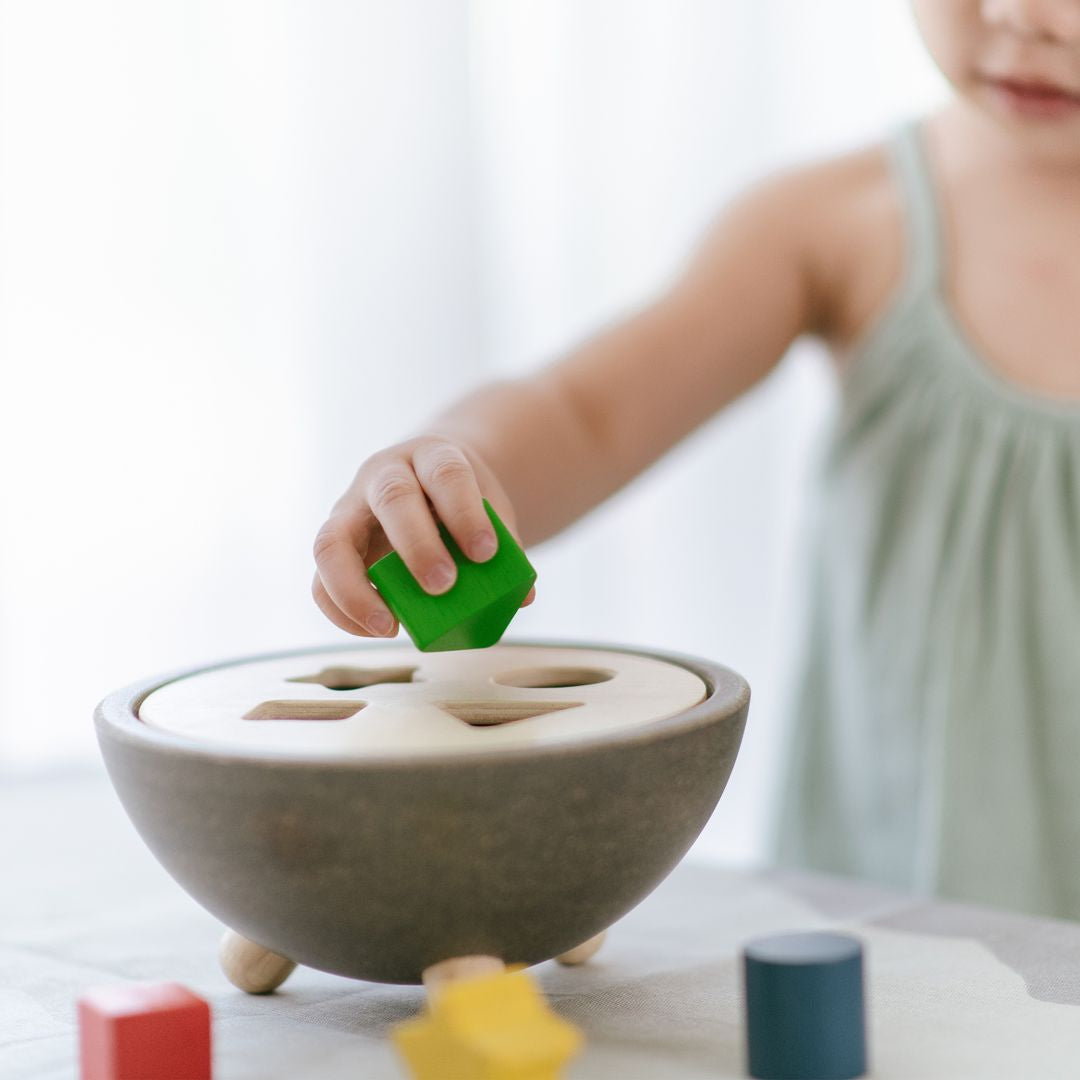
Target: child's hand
391,505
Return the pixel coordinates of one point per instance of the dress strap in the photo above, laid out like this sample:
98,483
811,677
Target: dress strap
921,215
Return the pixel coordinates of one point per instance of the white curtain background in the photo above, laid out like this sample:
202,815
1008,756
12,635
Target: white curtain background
244,244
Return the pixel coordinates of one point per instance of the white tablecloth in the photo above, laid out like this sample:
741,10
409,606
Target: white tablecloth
954,991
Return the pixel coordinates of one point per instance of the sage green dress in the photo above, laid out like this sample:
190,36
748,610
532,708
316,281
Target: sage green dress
935,738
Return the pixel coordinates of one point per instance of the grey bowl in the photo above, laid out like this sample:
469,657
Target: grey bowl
378,868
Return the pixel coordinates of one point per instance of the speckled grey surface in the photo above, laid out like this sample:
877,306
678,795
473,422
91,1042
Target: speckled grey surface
376,869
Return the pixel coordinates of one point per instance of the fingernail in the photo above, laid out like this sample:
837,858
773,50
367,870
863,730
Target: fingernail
380,624
483,546
439,578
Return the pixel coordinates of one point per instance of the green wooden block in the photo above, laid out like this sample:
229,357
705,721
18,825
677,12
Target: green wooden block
476,610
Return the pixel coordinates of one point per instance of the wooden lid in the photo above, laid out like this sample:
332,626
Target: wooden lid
394,701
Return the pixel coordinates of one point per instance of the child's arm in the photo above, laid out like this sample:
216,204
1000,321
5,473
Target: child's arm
546,448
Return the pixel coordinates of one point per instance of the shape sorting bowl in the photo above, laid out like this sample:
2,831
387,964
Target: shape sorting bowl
370,811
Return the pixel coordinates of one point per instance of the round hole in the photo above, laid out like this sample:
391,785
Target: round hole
553,678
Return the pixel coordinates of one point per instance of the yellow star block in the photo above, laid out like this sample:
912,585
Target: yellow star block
496,1027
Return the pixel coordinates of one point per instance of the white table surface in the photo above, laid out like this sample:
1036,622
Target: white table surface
954,992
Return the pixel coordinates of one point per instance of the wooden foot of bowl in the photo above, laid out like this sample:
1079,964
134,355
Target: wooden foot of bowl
457,968
584,952
250,967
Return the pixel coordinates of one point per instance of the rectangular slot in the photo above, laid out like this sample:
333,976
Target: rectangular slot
305,710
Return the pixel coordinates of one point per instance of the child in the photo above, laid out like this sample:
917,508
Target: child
937,742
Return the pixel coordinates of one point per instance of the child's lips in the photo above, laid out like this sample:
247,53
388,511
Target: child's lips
1034,98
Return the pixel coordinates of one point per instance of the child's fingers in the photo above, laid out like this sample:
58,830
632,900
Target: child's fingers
450,483
398,502
333,612
342,579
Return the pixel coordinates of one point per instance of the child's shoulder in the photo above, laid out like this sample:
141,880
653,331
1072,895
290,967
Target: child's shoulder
846,213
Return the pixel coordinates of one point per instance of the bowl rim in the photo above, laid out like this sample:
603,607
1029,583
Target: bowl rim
116,717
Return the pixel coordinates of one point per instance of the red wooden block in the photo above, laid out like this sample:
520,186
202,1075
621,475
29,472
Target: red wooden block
153,1031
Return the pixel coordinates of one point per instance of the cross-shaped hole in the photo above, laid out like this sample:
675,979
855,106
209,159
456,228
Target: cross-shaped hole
355,678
